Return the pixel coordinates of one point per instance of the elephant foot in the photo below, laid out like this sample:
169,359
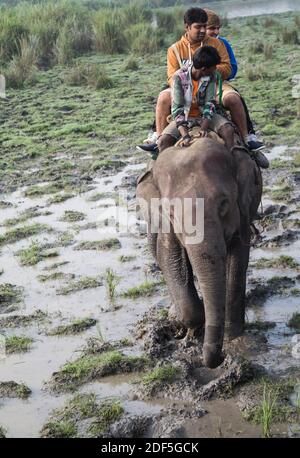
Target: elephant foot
192,320
232,331
212,355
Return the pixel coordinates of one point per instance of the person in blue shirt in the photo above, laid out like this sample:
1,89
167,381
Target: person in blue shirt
213,30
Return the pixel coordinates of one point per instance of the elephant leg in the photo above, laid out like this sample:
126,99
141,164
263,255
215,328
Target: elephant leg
152,243
236,270
178,274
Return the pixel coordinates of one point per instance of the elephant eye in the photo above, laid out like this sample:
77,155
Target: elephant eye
224,207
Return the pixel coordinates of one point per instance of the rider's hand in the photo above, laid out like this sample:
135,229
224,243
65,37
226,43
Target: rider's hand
203,133
186,140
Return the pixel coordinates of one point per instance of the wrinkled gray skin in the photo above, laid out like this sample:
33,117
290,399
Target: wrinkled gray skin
231,186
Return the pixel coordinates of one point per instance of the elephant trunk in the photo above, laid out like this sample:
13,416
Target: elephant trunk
209,266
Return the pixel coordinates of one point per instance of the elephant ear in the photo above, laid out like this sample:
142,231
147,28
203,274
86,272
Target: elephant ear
146,190
249,183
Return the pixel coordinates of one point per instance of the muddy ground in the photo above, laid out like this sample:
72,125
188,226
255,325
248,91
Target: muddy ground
73,348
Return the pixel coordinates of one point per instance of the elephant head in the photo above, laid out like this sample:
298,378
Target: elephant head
229,186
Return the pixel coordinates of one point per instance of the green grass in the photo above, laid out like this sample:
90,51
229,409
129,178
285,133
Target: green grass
14,390
9,294
55,276
71,216
93,367
112,281
78,285
24,216
273,406
36,253
108,413
19,233
68,421
282,262
124,258
161,375
59,429
18,344
145,289
75,327
99,245
59,198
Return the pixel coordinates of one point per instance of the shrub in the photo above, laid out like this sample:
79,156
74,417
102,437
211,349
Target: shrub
134,13
166,21
97,77
131,64
108,36
144,39
254,73
62,50
22,67
268,50
269,22
257,47
290,37
12,31
93,75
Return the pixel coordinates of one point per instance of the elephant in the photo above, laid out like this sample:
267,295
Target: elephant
230,183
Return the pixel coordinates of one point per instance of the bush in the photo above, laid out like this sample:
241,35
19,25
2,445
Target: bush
269,22
97,77
75,76
166,21
144,39
134,13
93,75
22,68
11,32
108,36
131,64
256,47
62,50
290,37
268,50
254,73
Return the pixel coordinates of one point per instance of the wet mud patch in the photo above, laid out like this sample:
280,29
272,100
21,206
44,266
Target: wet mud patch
286,238
277,397
179,373
98,360
10,297
75,327
80,284
23,232
18,344
18,321
83,416
99,245
260,290
14,390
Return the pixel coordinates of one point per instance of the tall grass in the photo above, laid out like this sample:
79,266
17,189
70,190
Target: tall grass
22,68
268,406
290,37
93,75
108,36
144,39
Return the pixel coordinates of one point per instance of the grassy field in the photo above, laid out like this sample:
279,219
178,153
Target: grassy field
87,109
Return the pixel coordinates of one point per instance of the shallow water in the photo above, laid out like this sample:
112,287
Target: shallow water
236,8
